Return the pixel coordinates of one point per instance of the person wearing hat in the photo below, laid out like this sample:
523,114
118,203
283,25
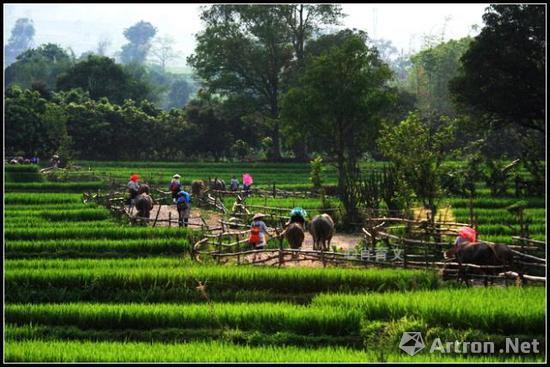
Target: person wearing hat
465,235
133,189
55,161
183,204
258,232
175,187
297,215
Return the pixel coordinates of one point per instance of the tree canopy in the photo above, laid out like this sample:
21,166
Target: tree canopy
20,39
502,79
101,77
43,64
139,36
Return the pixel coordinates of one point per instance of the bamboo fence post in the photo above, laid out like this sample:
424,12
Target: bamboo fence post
218,258
281,255
169,219
238,250
404,253
157,216
426,254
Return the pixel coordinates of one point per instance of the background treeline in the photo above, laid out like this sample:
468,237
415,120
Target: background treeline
271,82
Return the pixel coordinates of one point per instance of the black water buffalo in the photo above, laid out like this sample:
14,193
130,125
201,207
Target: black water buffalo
322,230
294,235
480,253
216,184
143,202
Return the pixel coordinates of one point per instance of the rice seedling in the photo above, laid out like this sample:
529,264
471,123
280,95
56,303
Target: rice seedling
166,279
85,232
63,351
215,351
75,187
41,198
503,310
95,248
267,317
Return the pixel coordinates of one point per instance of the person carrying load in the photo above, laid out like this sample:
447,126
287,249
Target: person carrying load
258,232
183,204
175,187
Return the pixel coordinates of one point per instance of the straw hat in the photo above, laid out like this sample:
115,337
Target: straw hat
258,216
176,176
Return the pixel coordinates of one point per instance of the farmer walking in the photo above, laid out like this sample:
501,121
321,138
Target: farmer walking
175,187
258,232
133,189
183,204
234,184
247,182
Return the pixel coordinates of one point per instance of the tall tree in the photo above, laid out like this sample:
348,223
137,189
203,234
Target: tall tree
102,77
419,159
20,39
431,71
102,45
304,22
163,51
178,96
42,65
243,51
503,76
140,36
33,125
341,95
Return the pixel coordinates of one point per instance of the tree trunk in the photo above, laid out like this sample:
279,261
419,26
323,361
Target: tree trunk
275,133
300,150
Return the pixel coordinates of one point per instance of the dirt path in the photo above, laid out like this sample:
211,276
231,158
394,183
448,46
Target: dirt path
342,242
211,218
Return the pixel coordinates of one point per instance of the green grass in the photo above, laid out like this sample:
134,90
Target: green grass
62,351
267,317
167,280
213,351
22,173
75,187
95,248
502,310
76,214
489,202
83,232
42,198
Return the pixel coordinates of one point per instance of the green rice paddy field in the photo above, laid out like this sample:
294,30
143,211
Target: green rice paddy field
80,286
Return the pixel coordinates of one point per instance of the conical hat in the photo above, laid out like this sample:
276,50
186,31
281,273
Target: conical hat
258,216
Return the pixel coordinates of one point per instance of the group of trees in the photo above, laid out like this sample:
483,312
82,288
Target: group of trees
49,67
97,129
273,79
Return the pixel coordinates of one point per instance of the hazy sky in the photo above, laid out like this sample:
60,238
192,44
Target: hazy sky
80,26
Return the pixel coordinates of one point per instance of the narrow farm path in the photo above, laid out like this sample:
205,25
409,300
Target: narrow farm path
211,218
